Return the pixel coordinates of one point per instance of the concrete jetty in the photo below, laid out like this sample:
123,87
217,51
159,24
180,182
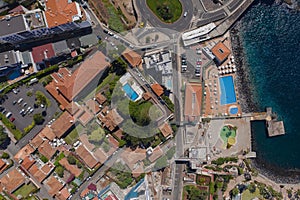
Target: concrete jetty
274,127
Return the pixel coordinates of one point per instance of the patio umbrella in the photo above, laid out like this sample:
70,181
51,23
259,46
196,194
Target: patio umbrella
230,70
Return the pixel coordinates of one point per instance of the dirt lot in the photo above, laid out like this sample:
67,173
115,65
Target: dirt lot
115,13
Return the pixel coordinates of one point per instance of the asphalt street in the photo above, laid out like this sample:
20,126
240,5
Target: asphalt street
180,25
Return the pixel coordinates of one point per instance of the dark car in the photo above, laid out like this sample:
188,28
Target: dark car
12,119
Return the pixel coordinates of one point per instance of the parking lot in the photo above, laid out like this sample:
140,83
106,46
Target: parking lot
12,104
193,57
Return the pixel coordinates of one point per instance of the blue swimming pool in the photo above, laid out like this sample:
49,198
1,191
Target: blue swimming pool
133,193
227,90
130,92
233,111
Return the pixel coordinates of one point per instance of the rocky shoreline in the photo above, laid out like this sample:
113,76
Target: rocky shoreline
248,104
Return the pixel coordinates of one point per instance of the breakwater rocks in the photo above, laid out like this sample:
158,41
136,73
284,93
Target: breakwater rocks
243,80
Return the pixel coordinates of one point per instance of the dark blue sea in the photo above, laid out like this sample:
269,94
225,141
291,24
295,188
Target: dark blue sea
270,35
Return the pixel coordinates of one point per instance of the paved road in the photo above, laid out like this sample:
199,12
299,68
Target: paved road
177,184
180,25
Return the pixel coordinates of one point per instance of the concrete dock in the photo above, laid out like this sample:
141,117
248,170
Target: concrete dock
274,127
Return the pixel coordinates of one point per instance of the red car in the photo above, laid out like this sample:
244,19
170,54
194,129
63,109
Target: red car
12,119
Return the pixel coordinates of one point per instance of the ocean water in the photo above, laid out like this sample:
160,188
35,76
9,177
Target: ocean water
270,36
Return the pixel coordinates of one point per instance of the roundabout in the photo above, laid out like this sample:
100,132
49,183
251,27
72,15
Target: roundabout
179,25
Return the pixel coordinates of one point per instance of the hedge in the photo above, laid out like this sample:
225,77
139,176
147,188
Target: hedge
11,127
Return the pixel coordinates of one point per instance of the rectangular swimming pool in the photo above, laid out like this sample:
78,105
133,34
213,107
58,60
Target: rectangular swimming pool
227,90
130,92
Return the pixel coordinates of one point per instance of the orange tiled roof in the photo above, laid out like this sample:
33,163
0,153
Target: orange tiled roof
27,162
73,169
59,12
61,125
46,149
54,185
111,119
46,132
72,108
157,152
86,156
100,155
193,98
85,141
69,85
3,165
166,129
221,51
25,151
131,158
84,192
133,58
100,98
12,180
158,90
63,194
86,117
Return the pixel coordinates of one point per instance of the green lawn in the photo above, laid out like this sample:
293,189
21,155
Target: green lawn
25,190
227,133
168,11
97,135
74,134
248,195
155,112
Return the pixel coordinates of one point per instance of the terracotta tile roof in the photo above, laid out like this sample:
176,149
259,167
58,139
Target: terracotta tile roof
166,129
157,152
86,117
100,155
147,96
47,132
47,150
47,168
25,151
61,125
193,98
63,194
86,156
27,162
119,134
54,185
131,158
12,180
73,169
59,12
111,119
72,108
3,165
93,106
138,170
18,9
40,173
221,51
157,89
70,85
112,141
36,141
84,192
42,52
133,58
100,98
85,141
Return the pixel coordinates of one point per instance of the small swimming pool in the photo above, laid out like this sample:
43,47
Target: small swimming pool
130,92
227,90
233,110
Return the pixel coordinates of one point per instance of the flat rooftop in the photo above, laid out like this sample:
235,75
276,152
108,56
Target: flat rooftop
10,25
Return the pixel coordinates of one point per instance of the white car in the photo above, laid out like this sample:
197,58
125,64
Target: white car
185,14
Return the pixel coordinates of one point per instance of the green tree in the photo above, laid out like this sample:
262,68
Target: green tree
5,155
165,12
211,187
60,171
252,187
235,191
118,66
3,135
71,160
38,118
194,193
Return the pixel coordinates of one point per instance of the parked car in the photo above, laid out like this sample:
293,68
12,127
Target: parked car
14,102
185,14
8,114
20,100
24,104
12,119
